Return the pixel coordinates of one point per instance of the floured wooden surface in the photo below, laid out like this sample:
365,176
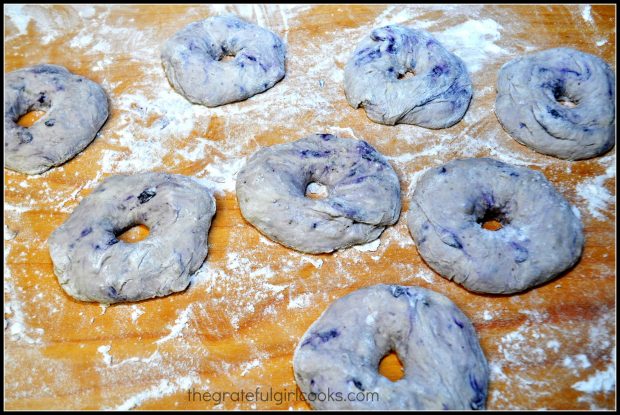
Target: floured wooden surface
236,327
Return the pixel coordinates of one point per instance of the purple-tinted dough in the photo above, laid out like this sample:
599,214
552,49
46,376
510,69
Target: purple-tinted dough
363,193
530,92
92,264
443,362
192,60
540,236
436,97
75,109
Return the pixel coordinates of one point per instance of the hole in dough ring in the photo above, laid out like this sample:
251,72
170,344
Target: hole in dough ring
363,193
92,264
540,237
445,367
437,96
532,96
75,109
192,60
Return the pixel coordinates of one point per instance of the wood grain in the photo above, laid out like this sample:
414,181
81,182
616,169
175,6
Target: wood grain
236,331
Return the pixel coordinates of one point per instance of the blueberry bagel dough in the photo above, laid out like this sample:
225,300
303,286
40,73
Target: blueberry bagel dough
530,93
540,235
75,109
93,265
444,365
363,193
192,60
436,97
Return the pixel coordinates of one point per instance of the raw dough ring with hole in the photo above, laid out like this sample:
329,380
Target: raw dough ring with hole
444,365
540,236
363,193
530,90
191,60
93,265
436,97
75,109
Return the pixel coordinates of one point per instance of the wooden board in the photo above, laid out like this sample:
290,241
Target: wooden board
236,327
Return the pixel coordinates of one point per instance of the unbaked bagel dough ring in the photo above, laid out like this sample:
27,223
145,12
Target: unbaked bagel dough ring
93,265
530,92
192,60
436,97
363,193
443,362
75,109
540,235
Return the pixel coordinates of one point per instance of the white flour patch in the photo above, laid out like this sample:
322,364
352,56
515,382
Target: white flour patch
601,381
14,316
579,361
318,263
179,325
586,13
84,10
473,41
164,388
393,15
246,367
553,345
18,18
220,175
9,234
136,312
368,247
594,192
301,301
426,274
105,351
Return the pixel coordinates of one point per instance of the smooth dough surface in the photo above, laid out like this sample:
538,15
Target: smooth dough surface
75,109
436,97
93,265
444,366
540,236
530,92
363,193
192,60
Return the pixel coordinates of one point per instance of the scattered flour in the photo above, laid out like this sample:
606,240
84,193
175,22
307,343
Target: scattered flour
600,382
301,301
586,13
474,41
105,351
18,18
179,324
368,247
553,345
594,192
318,263
246,367
136,312
164,388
